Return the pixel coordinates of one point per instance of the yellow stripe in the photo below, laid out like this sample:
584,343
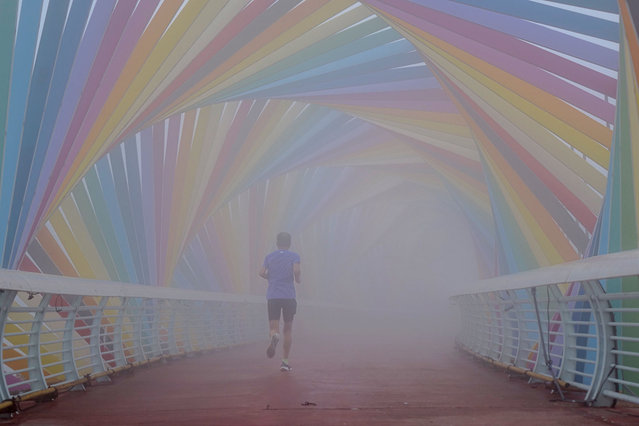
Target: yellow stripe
633,124
71,246
94,144
401,118
178,196
534,129
573,181
539,228
246,61
470,66
84,239
208,24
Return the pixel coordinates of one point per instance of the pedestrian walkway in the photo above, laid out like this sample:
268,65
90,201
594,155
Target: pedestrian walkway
349,377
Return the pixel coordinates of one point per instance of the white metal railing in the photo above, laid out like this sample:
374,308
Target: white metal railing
60,331
560,324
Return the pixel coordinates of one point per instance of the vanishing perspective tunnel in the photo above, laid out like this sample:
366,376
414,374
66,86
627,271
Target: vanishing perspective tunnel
424,154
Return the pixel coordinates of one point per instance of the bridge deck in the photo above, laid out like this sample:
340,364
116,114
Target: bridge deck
352,377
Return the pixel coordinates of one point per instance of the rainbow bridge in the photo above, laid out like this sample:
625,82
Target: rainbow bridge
427,156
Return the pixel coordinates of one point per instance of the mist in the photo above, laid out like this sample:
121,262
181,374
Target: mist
389,262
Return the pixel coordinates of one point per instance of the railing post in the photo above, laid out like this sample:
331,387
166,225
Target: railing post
567,334
510,342
521,329
172,338
187,312
473,315
6,300
67,340
118,345
94,340
481,325
34,361
138,317
606,361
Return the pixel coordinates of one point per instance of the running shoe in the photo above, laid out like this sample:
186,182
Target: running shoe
270,351
285,367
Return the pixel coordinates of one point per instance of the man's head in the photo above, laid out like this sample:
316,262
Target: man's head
283,240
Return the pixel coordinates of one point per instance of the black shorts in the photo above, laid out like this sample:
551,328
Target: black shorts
288,307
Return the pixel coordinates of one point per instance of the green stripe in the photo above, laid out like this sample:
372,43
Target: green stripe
94,229
106,225
8,18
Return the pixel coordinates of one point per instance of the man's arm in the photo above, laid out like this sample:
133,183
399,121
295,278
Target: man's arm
263,273
297,272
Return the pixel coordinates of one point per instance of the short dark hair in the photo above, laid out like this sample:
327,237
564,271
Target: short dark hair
283,240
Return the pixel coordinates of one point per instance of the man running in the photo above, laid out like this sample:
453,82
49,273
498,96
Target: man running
282,270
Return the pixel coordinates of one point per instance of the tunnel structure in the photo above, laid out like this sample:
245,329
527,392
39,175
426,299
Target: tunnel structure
151,150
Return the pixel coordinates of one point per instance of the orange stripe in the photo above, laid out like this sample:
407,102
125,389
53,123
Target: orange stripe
149,38
57,256
630,33
252,47
531,93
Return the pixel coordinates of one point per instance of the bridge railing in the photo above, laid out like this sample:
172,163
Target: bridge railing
60,332
575,324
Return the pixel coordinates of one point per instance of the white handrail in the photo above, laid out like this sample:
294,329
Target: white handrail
588,335
613,265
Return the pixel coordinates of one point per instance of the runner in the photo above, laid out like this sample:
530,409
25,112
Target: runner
282,270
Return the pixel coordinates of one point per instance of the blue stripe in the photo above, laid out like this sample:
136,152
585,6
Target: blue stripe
349,42
553,16
124,201
135,199
36,101
385,57
68,48
8,21
24,52
148,199
112,203
609,6
365,74
101,211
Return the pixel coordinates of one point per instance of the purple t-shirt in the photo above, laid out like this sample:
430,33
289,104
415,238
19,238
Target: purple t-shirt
281,280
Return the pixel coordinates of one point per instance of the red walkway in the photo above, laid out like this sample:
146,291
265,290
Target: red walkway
347,378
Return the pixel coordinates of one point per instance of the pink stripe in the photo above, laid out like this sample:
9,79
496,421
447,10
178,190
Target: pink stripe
168,172
231,30
415,84
216,178
131,35
408,95
442,106
468,37
79,73
148,199
127,42
107,47
158,173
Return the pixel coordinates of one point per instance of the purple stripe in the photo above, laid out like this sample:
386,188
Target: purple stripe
78,75
512,48
528,31
148,200
127,42
395,103
418,84
70,147
170,159
158,161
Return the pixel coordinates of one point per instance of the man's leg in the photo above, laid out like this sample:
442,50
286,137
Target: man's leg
290,309
288,338
274,326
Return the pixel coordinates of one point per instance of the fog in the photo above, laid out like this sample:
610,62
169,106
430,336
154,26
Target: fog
393,258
